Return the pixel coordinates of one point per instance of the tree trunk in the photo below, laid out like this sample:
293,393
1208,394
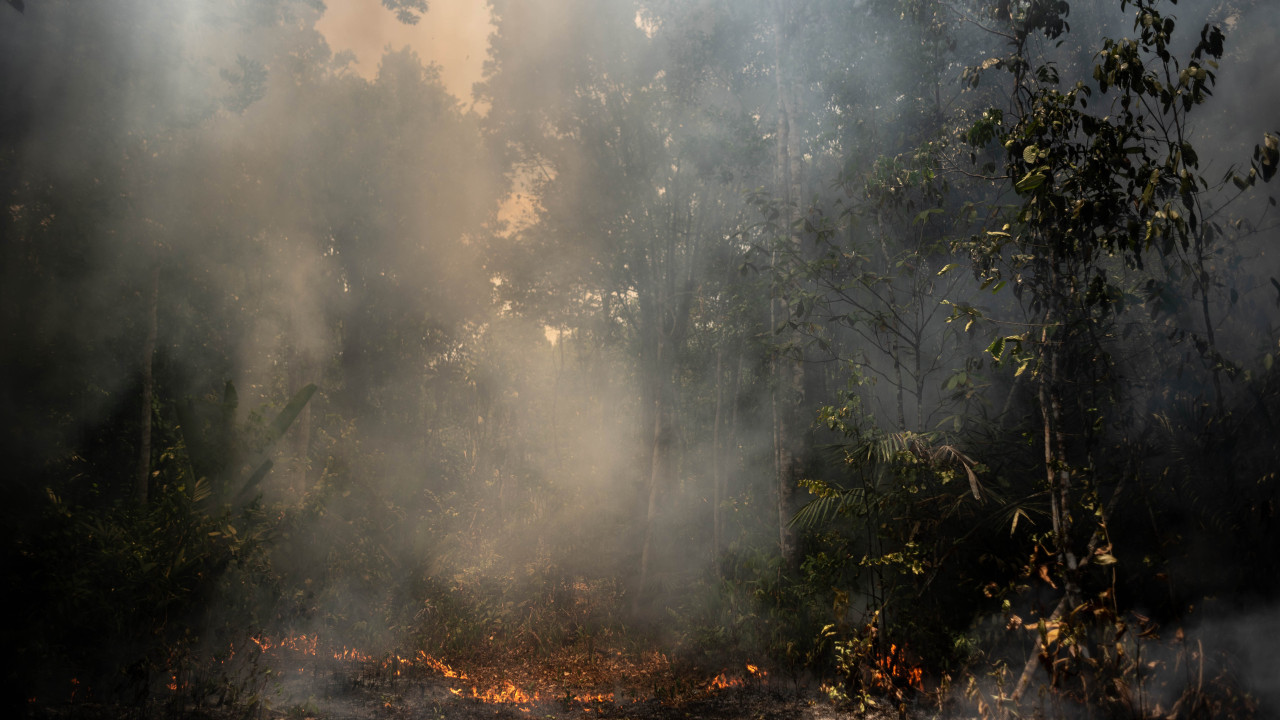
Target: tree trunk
651,514
717,458
142,480
783,455
299,376
1057,468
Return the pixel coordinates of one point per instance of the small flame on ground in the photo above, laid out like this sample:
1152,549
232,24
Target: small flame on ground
506,693
724,680
441,667
397,664
301,644
893,667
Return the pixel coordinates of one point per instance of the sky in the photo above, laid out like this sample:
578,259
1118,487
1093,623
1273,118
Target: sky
453,34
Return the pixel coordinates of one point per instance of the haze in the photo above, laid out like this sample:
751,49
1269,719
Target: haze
802,354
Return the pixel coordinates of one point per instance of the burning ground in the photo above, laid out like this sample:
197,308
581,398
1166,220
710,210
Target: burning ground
583,665
303,677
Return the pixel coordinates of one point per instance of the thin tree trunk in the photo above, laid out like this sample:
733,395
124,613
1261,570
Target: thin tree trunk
717,459
918,352
143,478
1029,670
1057,471
897,381
1099,536
784,460
555,395
299,372
651,514
732,434
1202,279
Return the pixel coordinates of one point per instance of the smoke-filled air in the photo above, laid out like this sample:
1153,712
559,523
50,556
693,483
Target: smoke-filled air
640,359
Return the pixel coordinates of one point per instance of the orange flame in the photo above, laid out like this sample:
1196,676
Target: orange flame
351,654
441,667
891,669
301,644
724,680
509,694
505,693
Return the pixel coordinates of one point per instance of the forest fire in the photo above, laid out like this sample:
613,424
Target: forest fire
723,680
308,645
301,644
351,654
893,670
441,667
394,664
694,332
531,684
509,693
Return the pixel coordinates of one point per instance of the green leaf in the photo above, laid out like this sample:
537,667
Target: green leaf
1030,154
1032,181
996,349
924,216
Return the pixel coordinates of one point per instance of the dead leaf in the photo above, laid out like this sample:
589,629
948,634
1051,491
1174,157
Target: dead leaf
1044,575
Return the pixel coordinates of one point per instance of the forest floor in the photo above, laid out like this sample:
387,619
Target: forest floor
421,699
568,684
424,698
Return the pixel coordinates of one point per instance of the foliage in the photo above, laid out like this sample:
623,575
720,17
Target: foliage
139,583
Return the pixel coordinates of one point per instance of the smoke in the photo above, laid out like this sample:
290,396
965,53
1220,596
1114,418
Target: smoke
543,317
453,34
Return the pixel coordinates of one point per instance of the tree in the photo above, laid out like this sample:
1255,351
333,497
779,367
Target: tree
1099,194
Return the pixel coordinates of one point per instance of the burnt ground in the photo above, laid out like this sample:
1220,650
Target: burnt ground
426,698
625,690
304,696
419,700
298,678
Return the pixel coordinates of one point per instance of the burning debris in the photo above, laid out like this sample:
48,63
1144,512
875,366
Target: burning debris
754,676
893,671
568,681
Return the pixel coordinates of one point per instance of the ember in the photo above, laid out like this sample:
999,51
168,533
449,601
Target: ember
301,644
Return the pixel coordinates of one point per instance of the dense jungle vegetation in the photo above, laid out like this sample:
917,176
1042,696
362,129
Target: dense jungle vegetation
919,352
